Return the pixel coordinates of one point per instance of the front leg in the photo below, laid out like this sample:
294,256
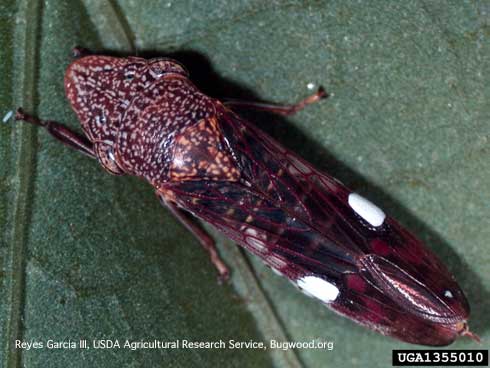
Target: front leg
202,236
63,134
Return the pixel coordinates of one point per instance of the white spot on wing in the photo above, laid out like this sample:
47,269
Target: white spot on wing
7,116
318,288
448,294
367,210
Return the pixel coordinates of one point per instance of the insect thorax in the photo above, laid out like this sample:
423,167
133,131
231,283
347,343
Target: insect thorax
171,133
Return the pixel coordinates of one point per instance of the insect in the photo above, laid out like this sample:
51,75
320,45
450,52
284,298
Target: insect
146,118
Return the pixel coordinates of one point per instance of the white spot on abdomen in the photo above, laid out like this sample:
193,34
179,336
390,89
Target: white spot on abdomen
367,210
318,288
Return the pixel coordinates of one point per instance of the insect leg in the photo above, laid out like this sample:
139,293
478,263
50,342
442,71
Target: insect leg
60,132
204,238
279,109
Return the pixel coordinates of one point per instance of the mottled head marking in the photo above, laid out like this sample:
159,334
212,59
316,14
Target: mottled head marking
100,90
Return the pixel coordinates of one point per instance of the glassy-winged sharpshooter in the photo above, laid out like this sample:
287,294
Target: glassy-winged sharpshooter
146,118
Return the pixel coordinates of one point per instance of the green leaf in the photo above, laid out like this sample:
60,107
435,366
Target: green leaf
85,255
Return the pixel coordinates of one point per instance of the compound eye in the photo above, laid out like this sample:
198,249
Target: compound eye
156,70
105,154
160,67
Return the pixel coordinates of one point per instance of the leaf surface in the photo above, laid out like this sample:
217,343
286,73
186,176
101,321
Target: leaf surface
85,255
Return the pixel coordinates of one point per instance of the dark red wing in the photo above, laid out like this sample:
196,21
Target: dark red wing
302,223
319,201
285,242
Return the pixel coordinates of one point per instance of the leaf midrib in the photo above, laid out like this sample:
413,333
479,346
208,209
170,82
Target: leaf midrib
26,60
